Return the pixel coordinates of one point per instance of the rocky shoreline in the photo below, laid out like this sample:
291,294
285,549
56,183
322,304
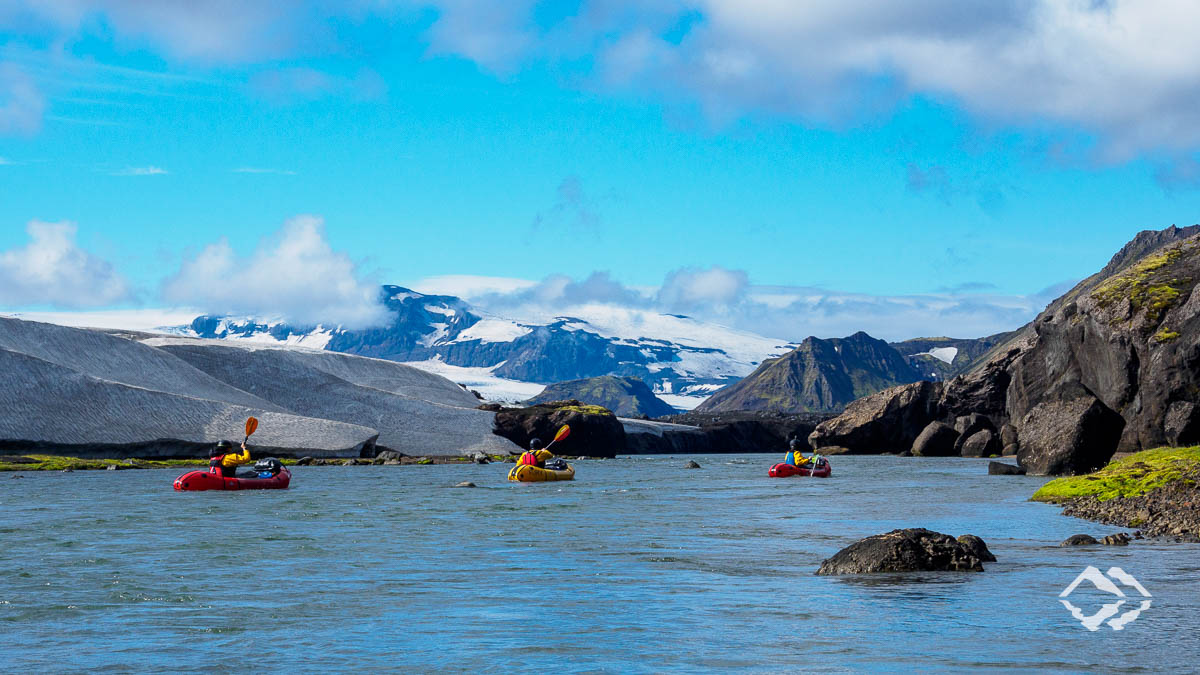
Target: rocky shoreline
1169,511
1155,491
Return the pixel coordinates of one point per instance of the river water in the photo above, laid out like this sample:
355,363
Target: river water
637,566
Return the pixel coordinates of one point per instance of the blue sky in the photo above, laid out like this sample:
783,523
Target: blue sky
948,162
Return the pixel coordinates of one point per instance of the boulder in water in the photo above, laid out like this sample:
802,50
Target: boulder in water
691,465
1068,437
1004,469
936,440
977,547
982,443
907,550
1080,540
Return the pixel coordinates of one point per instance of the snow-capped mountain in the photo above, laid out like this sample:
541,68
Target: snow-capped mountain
684,360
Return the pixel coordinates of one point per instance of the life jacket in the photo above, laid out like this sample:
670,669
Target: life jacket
529,457
216,465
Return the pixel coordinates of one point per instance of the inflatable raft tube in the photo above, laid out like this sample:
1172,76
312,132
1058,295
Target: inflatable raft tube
782,470
525,473
193,481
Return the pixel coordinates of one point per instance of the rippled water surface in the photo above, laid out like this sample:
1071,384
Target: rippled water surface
637,566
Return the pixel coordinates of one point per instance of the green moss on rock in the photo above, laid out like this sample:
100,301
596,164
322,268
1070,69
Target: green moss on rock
1148,285
1166,335
1130,476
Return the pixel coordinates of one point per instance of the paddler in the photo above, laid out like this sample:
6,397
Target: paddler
535,455
795,455
225,462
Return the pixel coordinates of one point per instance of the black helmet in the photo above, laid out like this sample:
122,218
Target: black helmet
224,445
794,444
535,444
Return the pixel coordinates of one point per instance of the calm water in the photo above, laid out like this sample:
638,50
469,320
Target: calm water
638,566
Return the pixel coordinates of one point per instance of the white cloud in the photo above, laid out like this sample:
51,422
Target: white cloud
726,297
218,31
293,275
1125,71
715,288
141,171
52,270
21,103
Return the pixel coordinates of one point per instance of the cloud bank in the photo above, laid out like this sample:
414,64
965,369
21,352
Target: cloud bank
294,275
1109,80
788,313
53,270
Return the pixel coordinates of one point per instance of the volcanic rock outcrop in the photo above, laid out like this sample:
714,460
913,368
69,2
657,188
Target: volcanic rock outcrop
1112,365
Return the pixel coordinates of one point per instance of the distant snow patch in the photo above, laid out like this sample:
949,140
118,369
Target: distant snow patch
944,354
493,330
483,380
444,311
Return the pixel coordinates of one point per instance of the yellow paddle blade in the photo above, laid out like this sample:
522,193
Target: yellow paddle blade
251,425
562,433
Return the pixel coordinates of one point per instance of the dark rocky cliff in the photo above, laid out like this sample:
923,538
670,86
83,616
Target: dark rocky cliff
1114,364
818,376
967,353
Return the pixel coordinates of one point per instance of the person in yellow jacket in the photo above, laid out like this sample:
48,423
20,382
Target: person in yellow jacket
535,455
795,456
225,462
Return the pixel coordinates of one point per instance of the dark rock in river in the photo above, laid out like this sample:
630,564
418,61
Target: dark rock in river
967,426
595,431
937,440
982,443
885,422
1079,540
1118,539
1068,437
691,465
977,547
908,550
1003,469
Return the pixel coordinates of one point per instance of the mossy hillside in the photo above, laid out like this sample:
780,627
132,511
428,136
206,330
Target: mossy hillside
1130,476
588,410
1153,285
